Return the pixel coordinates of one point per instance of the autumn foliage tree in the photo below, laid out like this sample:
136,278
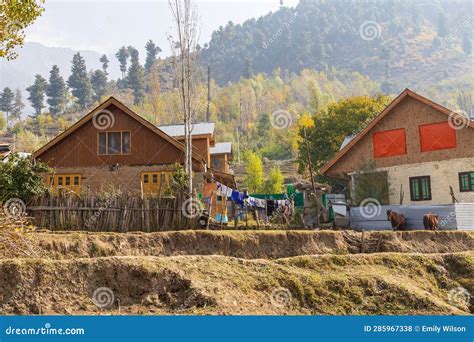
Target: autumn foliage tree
15,17
340,119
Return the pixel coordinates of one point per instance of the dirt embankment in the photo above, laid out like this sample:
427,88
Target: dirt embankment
326,284
246,244
238,272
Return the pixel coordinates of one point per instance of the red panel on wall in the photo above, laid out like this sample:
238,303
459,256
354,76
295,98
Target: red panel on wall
389,143
438,136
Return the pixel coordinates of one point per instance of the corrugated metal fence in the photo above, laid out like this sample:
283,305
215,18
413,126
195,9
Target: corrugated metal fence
451,216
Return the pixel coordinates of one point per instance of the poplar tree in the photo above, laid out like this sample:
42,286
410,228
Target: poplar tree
18,106
152,52
122,56
105,63
6,102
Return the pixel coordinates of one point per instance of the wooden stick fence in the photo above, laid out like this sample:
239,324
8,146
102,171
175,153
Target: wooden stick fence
113,213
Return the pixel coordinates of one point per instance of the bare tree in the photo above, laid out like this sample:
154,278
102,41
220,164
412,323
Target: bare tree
183,47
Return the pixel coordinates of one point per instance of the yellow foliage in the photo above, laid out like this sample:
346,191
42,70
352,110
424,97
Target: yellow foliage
306,121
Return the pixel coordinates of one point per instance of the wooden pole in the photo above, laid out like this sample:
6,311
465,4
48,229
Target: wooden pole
310,167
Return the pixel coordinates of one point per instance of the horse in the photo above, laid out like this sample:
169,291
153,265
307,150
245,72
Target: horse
398,221
430,221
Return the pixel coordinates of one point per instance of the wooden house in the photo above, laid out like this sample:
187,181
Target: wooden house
221,154
113,147
414,152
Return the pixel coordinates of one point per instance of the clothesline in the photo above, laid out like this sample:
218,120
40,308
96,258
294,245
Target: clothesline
242,199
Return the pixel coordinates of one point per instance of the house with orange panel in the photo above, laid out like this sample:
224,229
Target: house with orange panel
414,152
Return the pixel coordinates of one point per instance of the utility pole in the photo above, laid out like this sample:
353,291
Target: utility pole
238,145
310,167
208,113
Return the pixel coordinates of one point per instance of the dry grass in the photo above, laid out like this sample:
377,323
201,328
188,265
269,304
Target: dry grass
389,283
240,272
248,244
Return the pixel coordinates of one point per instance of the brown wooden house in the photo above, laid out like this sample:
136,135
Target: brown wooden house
113,147
414,152
221,154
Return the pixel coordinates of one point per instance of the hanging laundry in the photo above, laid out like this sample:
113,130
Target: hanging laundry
229,192
221,189
251,201
237,197
260,203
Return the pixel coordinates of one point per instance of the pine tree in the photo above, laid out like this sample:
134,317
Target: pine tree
105,63
442,26
466,43
99,84
18,106
56,92
136,77
151,52
248,70
122,56
79,81
37,92
6,102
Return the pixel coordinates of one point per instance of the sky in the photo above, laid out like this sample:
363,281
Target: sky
105,25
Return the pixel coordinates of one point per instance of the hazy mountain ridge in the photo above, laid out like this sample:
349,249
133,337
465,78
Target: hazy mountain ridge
404,43
35,58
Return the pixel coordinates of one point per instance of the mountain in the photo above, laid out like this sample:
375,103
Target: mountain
400,43
35,58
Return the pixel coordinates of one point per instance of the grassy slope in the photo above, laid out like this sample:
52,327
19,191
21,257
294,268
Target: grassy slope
388,283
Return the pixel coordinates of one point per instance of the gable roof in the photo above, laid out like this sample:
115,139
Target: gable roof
388,109
201,128
112,101
222,148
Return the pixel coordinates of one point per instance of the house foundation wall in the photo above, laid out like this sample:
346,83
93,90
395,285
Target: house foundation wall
443,174
119,178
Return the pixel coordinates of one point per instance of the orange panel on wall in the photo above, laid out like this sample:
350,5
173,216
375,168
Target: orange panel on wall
389,143
437,136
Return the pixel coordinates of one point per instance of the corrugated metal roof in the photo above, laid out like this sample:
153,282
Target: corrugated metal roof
196,129
346,141
221,148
